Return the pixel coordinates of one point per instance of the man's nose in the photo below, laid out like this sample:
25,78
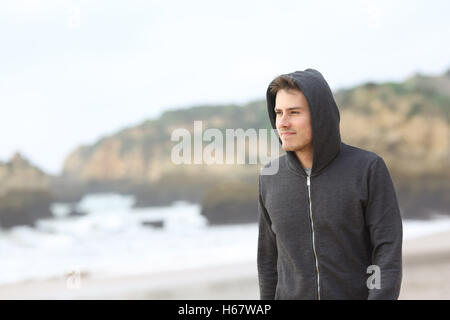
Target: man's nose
283,122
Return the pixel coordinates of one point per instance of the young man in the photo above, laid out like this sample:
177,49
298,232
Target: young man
329,221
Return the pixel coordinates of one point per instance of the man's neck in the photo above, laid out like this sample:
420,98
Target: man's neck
305,157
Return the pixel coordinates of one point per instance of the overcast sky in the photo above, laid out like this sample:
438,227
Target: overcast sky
73,71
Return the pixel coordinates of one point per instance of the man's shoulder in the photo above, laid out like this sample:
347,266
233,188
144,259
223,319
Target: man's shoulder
273,167
360,155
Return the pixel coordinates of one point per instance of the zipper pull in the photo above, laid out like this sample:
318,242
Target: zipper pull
308,182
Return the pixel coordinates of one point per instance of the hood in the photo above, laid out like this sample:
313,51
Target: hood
324,120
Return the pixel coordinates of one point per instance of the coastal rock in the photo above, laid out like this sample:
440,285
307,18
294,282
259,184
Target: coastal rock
231,203
406,123
24,193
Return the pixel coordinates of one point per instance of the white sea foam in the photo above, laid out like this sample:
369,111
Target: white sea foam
111,240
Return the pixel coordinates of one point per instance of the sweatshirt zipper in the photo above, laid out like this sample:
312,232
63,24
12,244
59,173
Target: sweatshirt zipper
308,182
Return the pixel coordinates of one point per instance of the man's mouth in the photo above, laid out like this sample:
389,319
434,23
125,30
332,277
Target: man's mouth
287,134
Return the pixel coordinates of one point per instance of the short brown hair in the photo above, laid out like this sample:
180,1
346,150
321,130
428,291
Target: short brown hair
282,82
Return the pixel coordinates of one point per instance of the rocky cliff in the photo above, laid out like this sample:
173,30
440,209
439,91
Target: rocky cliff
406,123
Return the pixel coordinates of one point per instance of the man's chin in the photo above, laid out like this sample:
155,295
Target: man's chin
288,148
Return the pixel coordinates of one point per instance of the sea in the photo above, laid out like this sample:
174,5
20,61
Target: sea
114,239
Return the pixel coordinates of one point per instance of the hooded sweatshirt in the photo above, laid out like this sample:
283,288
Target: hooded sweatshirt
333,234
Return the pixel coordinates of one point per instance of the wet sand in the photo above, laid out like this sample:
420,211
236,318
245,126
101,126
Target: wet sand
426,275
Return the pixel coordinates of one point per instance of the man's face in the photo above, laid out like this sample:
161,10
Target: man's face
293,120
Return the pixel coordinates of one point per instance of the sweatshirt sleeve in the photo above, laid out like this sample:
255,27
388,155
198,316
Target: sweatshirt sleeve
267,254
384,223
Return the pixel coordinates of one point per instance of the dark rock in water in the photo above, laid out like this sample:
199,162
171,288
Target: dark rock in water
74,212
156,224
24,207
231,203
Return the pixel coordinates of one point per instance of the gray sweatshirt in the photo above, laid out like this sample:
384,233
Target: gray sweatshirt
340,237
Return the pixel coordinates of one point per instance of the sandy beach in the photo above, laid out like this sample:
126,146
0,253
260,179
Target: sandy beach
426,267
426,275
